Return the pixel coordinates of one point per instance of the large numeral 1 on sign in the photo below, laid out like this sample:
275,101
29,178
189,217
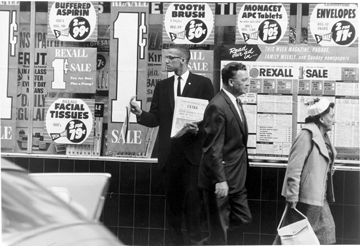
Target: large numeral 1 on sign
126,32
7,47
60,67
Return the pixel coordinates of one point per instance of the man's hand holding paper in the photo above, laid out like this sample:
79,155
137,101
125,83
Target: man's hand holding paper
188,113
191,127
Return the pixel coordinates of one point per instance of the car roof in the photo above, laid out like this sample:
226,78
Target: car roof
7,164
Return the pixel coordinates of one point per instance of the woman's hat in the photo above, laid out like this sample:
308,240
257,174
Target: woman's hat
318,106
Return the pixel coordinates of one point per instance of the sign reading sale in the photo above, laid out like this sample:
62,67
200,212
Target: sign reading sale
72,70
128,78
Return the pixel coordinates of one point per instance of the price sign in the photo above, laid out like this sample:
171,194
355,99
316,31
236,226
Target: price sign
101,61
73,21
69,120
269,31
334,24
189,23
262,23
72,70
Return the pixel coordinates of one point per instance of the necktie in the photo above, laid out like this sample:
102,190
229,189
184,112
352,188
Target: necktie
243,118
179,86
242,115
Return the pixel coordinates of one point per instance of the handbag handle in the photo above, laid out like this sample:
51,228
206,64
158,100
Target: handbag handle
283,215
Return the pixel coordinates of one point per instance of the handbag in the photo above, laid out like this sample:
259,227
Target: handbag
298,233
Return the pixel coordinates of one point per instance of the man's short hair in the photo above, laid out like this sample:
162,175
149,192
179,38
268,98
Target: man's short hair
183,48
230,70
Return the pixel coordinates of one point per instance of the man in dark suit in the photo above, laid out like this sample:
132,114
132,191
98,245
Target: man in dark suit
224,164
178,158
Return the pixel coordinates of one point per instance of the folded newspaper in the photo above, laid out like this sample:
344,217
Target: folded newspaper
187,110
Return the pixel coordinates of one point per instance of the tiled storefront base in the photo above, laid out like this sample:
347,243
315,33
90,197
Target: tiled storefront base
135,207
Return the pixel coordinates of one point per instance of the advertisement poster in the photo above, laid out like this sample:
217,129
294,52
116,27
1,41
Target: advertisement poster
128,78
9,48
103,61
102,71
71,70
283,79
263,23
73,21
39,87
189,23
156,72
334,24
70,120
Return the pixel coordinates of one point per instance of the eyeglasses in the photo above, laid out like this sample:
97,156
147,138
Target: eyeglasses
172,57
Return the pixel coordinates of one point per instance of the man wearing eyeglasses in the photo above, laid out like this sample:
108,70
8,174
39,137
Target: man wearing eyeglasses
178,158
223,167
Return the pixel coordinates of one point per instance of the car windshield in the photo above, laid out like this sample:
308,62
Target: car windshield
27,206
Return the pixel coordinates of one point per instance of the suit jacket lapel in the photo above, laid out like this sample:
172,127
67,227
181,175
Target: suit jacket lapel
187,84
233,109
170,91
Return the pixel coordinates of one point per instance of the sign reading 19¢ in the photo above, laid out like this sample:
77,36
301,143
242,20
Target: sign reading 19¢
69,121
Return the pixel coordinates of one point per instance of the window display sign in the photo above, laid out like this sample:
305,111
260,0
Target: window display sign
155,72
128,77
189,23
333,24
70,120
9,45
72,70
73,21
37,94
282,79
263,23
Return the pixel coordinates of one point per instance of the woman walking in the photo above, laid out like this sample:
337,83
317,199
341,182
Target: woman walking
308,183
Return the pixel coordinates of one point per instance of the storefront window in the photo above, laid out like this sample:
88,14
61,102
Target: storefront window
71,72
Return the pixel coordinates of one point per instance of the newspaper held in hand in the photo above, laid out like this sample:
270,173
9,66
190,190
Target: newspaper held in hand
187,110
125,126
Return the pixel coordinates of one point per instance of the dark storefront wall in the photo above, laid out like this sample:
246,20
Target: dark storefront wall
135,206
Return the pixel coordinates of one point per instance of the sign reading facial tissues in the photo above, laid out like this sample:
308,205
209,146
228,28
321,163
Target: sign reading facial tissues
69,120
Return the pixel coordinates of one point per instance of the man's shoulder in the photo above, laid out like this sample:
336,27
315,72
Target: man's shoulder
218,99
198,77
165,81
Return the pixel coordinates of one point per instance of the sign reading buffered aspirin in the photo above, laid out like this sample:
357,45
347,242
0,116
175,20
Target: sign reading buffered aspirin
334,24
69,120
260,23
72,21
189,23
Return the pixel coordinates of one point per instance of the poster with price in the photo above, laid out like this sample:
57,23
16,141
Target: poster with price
263,23
73,21
9,45
70,120
282,78
189,23
71,70
102,70
128,77
334,24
